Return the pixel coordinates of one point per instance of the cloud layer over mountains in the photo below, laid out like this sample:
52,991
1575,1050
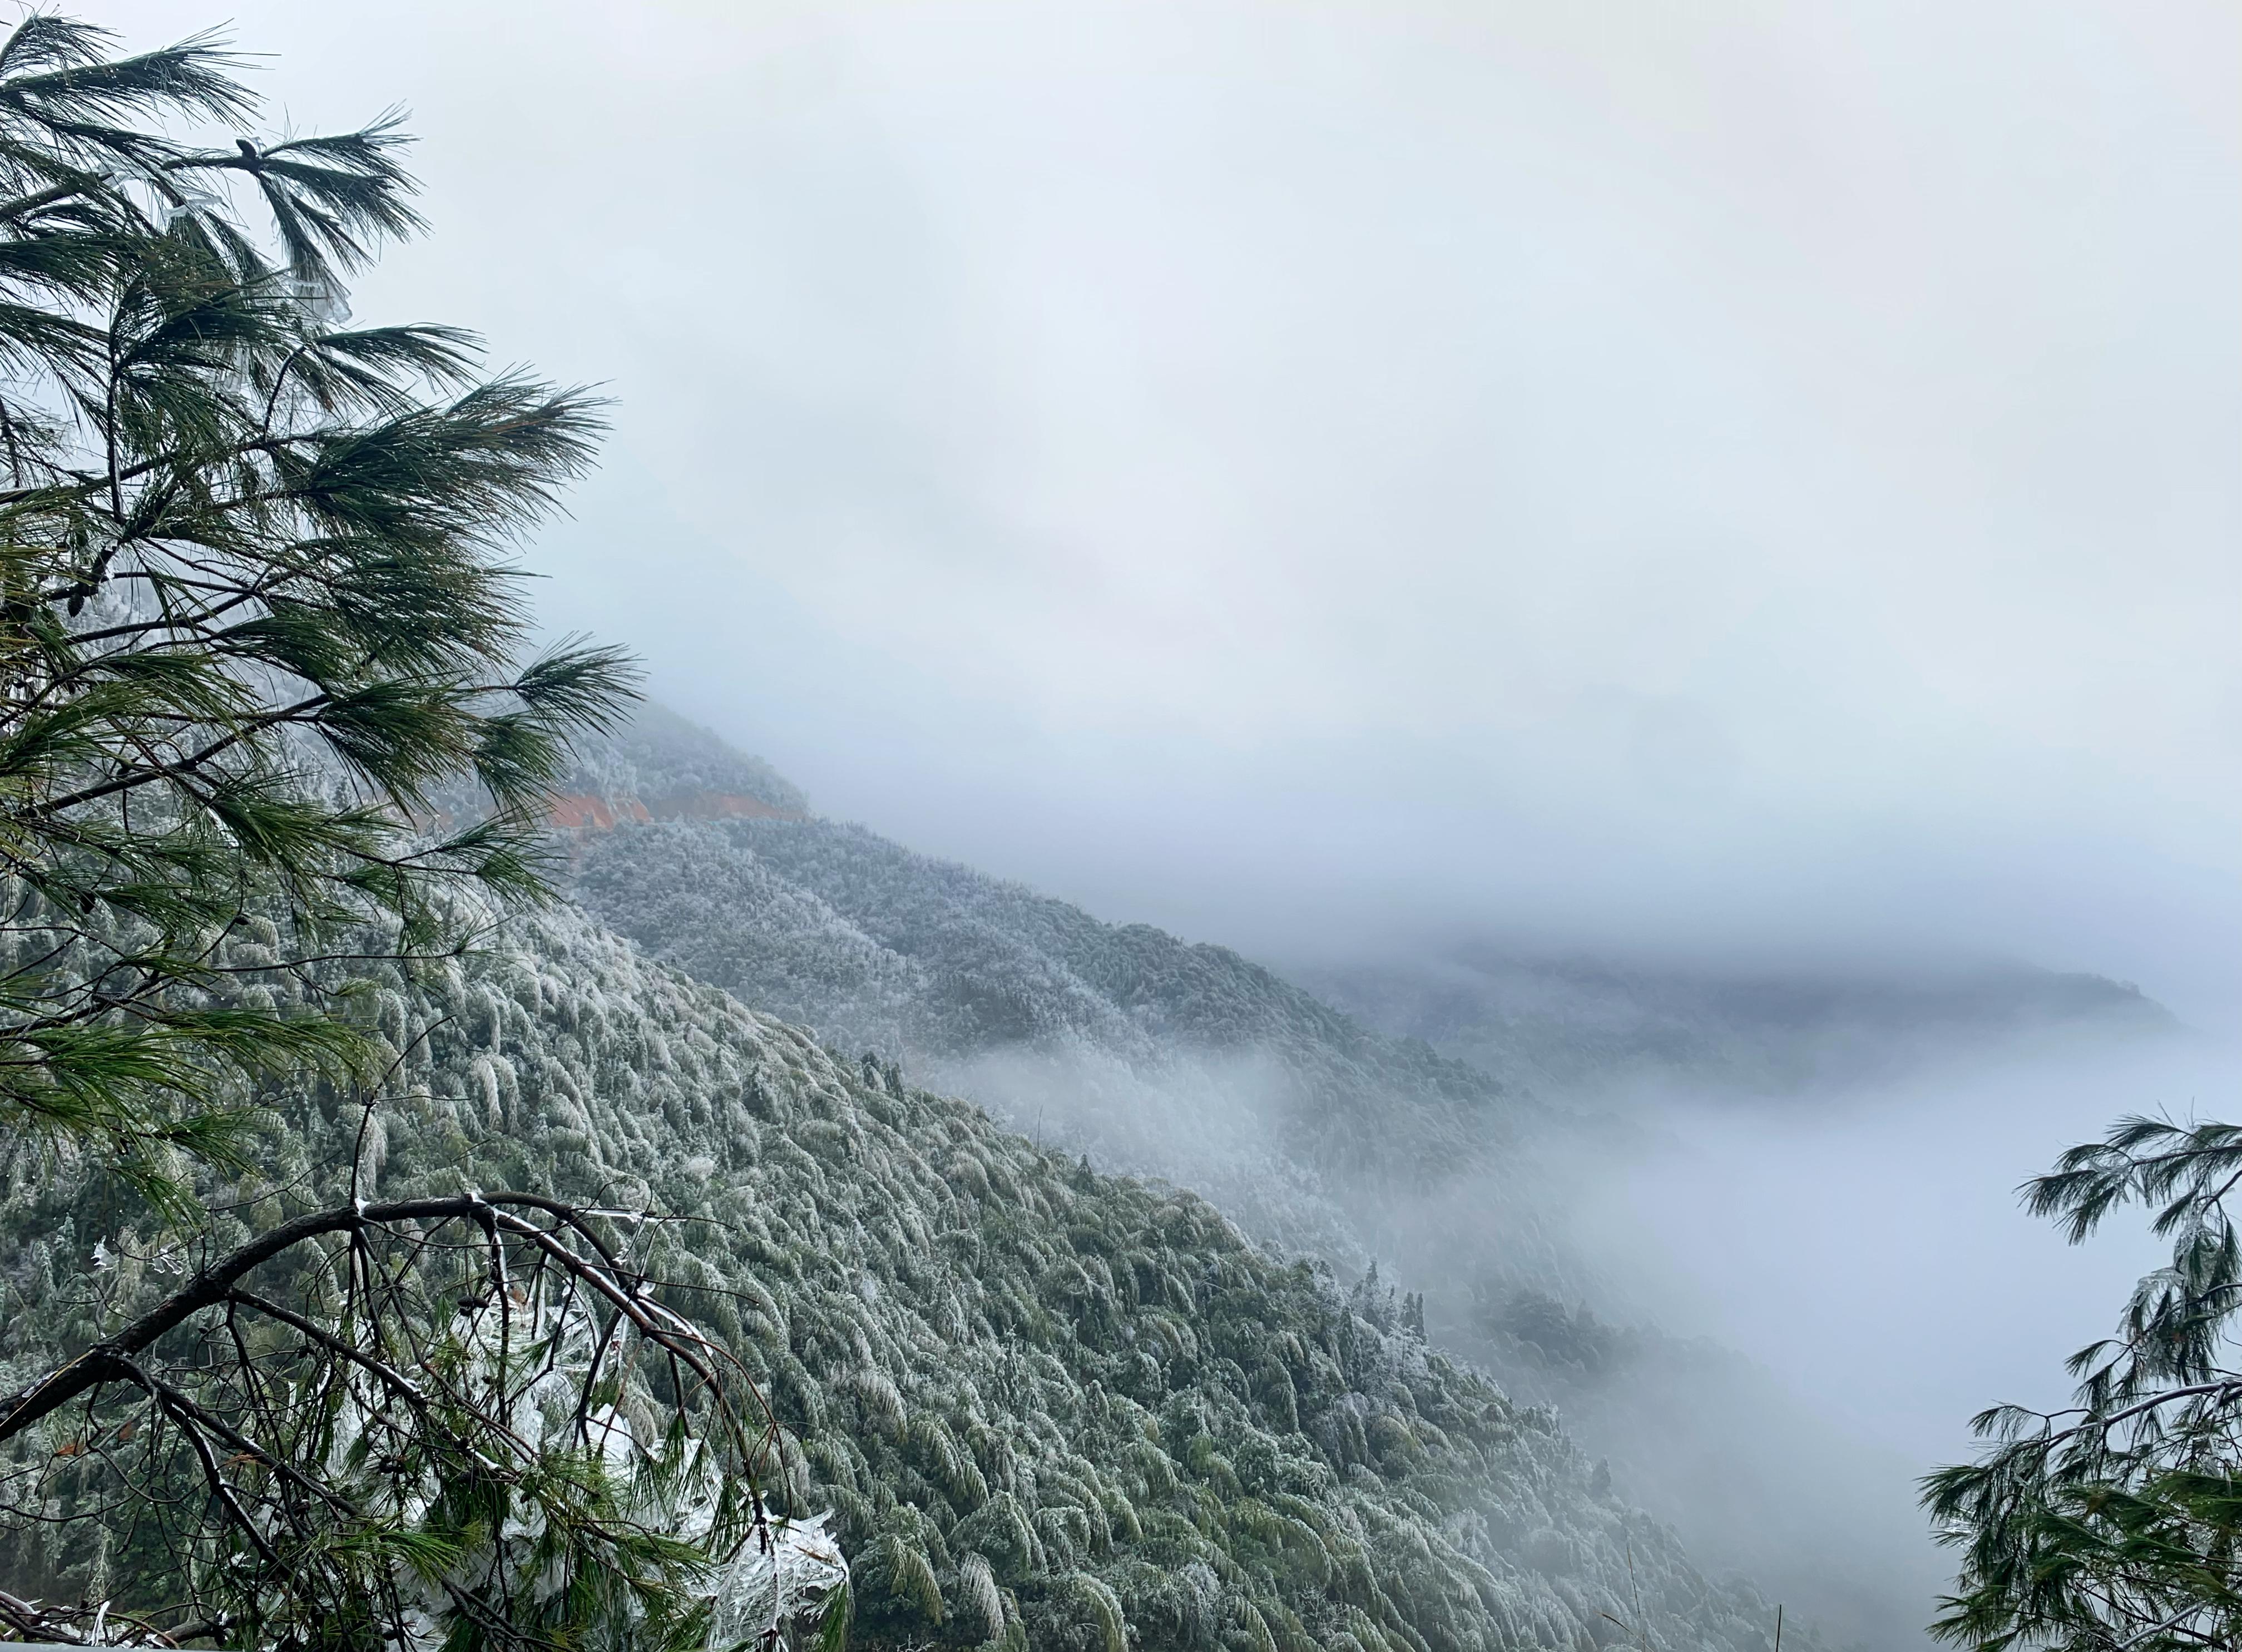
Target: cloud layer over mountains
1680,475
1532,1147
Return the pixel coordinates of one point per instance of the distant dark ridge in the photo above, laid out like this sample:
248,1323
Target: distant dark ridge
1569,1023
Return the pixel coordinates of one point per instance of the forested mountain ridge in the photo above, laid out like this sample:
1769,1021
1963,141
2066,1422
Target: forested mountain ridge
1588,1025
1333,1135
998,961
893,950
881,948
1048,1407
1320,1115
1152,1054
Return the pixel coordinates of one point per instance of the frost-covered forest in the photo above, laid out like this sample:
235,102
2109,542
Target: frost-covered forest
394,1255
1114,1368
1049,1407
1383,1136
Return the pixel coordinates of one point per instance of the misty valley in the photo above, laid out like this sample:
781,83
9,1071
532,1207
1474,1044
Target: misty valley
1111,1289
490,1164
1450,1123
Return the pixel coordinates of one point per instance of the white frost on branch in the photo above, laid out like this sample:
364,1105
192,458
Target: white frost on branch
778,1591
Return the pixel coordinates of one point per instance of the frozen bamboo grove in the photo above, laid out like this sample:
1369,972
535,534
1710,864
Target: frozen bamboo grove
1044,1407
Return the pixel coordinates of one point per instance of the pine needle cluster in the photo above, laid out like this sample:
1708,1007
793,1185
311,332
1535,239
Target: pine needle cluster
272,723
257,605
2117,1522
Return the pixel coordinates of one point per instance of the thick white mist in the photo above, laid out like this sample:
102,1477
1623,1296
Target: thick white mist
1866,1250
1670,467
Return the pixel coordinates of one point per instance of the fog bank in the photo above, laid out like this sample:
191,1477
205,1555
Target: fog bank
1867,1254
1648,472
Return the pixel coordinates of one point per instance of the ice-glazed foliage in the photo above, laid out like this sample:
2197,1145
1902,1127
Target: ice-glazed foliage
1044,1406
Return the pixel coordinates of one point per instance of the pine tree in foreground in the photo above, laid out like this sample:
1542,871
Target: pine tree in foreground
2117,1523
257,618
255,605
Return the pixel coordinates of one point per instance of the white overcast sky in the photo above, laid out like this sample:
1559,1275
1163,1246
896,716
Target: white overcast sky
1679,474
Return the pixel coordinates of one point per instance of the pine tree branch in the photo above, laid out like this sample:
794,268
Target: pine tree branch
110,1360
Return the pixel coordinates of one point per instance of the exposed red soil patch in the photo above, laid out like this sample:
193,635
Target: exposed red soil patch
582,812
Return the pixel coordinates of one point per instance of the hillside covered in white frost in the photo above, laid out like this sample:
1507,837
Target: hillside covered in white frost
1048,1407
1441,1115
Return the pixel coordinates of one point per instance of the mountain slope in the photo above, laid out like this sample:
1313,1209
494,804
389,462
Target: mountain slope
1344,1136
1051,1408
1152,1055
